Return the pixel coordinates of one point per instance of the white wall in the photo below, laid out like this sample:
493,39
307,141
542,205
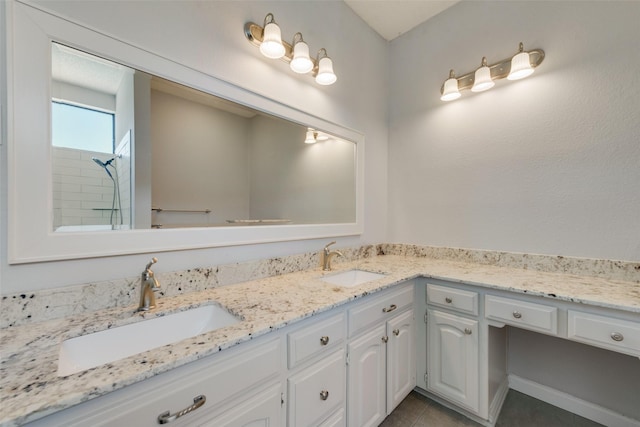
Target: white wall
208,36
549,164
200,157
305,183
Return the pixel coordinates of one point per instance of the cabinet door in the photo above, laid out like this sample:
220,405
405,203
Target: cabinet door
401,359
453,358
366,384
317,392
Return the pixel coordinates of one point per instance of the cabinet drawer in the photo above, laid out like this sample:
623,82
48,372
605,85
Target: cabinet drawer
140,404
309,341
318,391
526,315
618,335
379,309
454,299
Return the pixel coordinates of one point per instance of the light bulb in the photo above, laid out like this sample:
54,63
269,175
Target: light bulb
450,90
482,79
520,65
271,45
301,62
325,74
310,138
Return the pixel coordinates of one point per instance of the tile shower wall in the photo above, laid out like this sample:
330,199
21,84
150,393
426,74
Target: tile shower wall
82,191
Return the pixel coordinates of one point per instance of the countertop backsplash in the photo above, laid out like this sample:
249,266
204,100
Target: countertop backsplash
30,307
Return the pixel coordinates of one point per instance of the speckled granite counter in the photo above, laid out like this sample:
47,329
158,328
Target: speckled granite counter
30,387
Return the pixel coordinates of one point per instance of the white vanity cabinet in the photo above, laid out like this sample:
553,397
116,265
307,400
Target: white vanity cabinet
453,345
475,343
316,385
453,358
239,387
381,356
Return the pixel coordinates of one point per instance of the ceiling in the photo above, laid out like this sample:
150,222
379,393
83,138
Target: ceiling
391,18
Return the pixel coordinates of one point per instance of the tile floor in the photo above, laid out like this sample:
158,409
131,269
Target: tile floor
519,410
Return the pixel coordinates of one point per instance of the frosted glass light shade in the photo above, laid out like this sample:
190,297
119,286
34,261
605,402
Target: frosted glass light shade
450,91
301,62
482,80
325,72
310,138
520,66
271,45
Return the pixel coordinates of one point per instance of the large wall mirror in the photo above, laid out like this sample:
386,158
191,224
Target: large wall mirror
122,151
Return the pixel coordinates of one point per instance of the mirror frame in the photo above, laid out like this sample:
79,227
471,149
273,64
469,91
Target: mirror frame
30,32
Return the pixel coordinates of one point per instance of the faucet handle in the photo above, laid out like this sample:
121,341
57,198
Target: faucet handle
153,261
329,244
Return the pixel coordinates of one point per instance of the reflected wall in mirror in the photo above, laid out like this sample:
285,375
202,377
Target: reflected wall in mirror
212,162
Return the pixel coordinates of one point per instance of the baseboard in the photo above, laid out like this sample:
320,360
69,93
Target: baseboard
570,403
498,400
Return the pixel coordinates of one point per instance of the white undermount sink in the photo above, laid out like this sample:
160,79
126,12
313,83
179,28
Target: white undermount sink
91,350
351,278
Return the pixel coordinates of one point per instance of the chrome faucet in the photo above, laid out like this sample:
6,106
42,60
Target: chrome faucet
150,285
327,255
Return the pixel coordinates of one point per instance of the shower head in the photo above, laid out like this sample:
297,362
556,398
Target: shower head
101,163
104,164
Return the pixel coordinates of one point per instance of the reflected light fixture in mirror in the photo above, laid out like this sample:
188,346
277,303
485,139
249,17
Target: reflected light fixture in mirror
519,66
310,138
271,45
295,54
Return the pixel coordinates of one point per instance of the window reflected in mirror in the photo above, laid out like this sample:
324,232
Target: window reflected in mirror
133,150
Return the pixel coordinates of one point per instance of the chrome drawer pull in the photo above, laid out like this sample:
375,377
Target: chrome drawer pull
467,331
166,417
389,309
324,340
448,300
517,314
396,332
324,395
617,336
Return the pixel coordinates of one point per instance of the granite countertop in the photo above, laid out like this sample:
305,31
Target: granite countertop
31,389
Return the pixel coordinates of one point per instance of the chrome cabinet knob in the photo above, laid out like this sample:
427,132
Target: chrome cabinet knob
324,340
617,336
517,314
467,331
385,339
324,395
448,300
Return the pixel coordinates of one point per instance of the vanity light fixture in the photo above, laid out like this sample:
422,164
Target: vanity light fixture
269,40
521,65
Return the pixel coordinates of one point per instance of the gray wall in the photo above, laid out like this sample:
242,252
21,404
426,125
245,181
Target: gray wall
549,164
